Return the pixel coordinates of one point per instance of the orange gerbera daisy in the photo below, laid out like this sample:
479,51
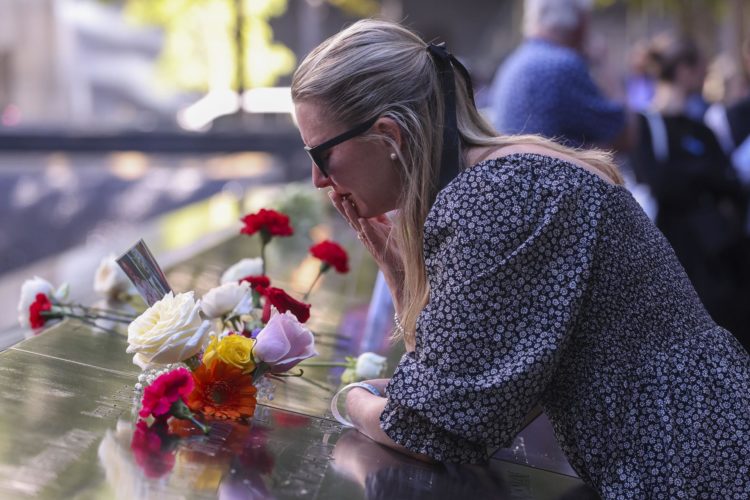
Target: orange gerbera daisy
222,391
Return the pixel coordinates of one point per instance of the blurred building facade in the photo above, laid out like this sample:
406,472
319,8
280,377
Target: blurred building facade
80,63
76,63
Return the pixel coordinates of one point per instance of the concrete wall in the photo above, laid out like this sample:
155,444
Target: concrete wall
30,73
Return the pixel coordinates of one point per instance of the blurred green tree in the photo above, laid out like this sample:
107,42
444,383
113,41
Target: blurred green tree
216,44
201,44
689,13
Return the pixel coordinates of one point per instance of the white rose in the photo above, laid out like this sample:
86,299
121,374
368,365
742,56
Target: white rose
370,365
109,279
29,291
245,267
225,298
169,331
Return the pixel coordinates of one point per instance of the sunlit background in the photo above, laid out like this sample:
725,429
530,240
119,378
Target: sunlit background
119,115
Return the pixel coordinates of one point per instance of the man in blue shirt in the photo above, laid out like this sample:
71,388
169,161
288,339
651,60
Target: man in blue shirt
545,87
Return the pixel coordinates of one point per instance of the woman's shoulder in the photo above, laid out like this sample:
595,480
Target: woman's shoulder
538,155
518,179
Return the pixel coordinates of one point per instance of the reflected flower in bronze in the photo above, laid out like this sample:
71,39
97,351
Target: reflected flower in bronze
152,448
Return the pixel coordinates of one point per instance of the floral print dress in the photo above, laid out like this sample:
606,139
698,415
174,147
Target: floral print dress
550,286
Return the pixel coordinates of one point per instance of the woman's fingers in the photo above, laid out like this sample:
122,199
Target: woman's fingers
337,203
351,214
377,235
346,208
374,233
369,231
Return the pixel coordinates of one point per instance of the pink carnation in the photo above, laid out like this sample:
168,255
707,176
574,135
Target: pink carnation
164,391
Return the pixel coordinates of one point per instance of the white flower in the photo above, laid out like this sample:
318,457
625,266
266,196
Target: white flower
29,291
245,267
109,279
370,365
367,366
225,298
169,331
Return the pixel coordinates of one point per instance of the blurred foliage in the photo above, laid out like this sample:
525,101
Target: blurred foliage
199,47
357,8
677,7
305,206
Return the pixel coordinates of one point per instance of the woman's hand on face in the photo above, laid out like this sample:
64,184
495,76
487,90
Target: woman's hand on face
375,235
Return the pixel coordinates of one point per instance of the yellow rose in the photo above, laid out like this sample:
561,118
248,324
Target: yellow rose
234,350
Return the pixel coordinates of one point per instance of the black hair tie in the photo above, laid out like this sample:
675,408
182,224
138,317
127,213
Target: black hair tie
445,61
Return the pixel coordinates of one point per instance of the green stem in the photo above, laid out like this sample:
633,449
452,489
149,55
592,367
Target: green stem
320,273
83,317
263,255
193,362
316,384
203,427
71,311
324,364
94,325
180,410
110,312
260,370
110,318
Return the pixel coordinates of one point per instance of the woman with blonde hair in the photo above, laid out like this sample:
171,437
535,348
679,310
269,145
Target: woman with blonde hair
523,275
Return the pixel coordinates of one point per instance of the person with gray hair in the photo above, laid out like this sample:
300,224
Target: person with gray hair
545,87
524,276
555,17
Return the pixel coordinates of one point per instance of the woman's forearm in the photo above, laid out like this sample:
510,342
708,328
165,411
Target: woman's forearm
364,411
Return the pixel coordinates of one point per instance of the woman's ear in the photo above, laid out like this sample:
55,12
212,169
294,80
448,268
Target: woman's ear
389,128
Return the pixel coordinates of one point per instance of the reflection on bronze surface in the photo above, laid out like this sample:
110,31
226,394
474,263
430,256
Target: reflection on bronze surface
68,423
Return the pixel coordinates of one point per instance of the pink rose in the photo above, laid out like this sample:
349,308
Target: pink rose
284,342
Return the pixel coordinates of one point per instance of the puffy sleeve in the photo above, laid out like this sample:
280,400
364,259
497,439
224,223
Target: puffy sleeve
508,259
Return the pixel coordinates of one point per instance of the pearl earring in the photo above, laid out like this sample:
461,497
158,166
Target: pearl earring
393,156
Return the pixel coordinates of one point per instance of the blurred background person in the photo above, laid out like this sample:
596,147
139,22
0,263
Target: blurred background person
639,84
545,86
738,116
729,117
701,202
726,85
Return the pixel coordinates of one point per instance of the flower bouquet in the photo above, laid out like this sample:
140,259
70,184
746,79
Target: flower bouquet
214,356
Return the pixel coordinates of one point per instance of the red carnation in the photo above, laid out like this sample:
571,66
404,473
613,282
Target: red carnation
283,302
268,222
332,255
41,304
257,282
166,390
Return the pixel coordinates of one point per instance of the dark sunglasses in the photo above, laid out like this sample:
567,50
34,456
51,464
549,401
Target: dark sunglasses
316,153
